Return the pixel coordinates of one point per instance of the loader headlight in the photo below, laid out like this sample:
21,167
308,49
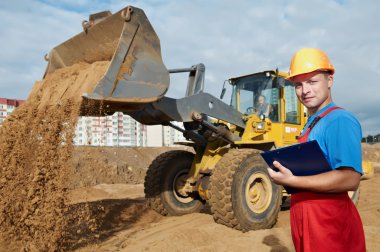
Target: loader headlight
260,126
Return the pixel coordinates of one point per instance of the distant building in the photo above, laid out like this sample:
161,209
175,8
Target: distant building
172,136
7,106
115,130
159,135
154,136
123,130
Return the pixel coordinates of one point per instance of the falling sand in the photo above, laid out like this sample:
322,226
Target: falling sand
36,147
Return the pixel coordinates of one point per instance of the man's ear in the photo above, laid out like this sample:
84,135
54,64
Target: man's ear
330,81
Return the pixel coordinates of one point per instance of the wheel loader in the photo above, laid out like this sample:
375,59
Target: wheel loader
225,170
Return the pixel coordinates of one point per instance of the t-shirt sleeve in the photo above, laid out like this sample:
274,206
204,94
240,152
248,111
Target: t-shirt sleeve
343,138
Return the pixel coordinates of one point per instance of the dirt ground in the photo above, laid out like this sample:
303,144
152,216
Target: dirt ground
94,165
135,228
109,182
132,227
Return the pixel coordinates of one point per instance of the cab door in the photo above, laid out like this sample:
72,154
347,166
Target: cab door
293,115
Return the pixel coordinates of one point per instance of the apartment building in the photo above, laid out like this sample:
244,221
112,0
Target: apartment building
159,135
7,106
171,136
115,130
123,130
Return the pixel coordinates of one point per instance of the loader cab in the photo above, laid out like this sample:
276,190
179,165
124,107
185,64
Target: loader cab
283,113
257,94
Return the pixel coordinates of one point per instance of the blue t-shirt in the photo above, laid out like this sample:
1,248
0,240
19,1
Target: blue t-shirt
339,135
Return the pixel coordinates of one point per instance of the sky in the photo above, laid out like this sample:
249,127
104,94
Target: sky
231,38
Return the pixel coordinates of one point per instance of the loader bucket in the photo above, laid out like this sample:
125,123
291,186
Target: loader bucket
136,73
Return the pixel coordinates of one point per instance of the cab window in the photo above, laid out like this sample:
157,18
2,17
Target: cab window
292,105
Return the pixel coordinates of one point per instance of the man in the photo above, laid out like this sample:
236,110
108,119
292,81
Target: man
262,106
323,218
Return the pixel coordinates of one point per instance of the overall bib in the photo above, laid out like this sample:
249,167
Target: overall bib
325,221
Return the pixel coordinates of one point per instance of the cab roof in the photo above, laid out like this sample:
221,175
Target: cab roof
272,72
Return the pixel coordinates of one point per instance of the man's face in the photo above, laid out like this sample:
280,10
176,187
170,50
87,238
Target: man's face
261,100
313,89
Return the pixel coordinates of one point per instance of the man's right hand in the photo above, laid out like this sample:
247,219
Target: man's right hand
281,177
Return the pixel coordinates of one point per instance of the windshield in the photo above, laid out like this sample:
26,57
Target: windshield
256,94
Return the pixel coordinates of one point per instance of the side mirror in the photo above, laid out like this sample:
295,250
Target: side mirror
223,93
223,90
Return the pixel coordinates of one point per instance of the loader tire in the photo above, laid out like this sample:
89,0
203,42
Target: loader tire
160,180
242,196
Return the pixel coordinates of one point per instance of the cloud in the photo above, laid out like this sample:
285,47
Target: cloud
230,39
28,32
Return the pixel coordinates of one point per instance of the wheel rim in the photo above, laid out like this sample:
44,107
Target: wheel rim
178,182
258,192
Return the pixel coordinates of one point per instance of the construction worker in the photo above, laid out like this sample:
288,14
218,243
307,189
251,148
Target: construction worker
323,218
262,106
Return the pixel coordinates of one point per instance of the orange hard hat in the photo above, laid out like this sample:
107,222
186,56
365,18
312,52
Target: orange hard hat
307,60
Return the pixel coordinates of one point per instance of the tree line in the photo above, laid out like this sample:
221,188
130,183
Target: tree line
371,139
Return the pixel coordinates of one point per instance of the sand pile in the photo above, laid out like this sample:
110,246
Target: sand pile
36,146
371,152
113,165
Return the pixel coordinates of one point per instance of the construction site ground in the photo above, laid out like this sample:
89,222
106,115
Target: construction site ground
111,179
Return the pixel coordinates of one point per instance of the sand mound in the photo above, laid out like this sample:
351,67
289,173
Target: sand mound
108,165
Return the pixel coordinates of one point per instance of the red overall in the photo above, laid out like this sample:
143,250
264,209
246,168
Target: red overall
325,222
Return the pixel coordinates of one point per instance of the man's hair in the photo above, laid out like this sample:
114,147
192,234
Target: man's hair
326,73
262,96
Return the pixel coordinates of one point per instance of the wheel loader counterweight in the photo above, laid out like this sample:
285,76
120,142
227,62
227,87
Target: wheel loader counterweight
225,169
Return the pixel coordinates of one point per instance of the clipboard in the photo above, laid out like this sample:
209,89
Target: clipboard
302,159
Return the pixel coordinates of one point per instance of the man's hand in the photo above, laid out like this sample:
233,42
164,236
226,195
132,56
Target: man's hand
283,176
339,180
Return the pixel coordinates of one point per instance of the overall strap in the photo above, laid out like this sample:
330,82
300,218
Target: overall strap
304,137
